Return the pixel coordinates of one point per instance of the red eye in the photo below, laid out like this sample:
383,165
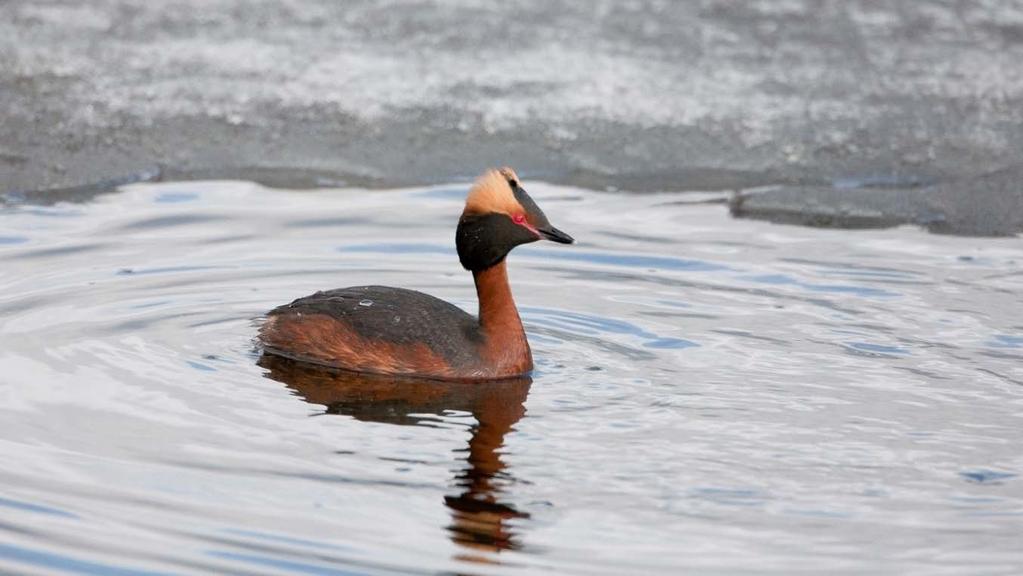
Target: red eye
519,218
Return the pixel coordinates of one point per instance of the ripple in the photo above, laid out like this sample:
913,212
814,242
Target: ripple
1006,341
985,476
330,222
782,280
176,197
66,563
172,220
57,252
627,260
698,379
393,248
37,508
167,270
869,349
589,324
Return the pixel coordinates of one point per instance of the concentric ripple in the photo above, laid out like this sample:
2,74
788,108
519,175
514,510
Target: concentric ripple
710,395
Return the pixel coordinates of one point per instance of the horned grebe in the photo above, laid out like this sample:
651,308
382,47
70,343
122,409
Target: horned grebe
383,330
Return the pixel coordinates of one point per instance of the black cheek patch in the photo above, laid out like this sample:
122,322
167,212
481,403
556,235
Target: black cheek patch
485,240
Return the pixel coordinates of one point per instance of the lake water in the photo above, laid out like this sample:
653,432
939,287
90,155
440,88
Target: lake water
711,395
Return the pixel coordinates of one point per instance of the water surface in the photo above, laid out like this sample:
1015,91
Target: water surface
711,395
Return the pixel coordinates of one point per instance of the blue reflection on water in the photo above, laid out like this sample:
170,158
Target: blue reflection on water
285,565
784,279
29,507
985,476
672,343
200,366
61,563
629,260
389,248
176,197
285,539
1007,341
877,348
593,325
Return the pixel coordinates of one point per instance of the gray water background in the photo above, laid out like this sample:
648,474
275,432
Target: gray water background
712,395
858,113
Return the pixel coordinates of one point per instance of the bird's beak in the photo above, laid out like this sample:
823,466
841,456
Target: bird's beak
553,234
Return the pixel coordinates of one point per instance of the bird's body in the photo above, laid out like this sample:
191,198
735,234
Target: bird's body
384,330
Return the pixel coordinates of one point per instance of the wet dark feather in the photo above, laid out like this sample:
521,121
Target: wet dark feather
398,316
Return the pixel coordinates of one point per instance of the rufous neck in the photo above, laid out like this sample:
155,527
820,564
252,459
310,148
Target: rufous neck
497,307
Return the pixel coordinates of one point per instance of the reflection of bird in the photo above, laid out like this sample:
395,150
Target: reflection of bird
382,330
478,514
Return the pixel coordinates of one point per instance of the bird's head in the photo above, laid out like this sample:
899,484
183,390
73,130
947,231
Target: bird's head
499,216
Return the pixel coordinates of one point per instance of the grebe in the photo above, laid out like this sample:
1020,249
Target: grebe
383,330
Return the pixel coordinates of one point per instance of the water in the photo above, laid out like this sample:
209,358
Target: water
637,94
711,395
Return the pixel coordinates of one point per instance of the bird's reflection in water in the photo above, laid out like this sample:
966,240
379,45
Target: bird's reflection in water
479,517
